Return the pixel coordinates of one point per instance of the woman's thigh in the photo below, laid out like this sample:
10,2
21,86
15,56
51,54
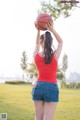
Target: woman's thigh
49,110
39,109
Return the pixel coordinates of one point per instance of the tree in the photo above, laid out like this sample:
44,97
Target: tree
60,74
65,62
32,70
62,69
58,7
24,62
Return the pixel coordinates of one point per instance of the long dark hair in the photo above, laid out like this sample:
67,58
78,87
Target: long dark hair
48,52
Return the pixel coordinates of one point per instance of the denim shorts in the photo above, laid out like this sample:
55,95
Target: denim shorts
45,91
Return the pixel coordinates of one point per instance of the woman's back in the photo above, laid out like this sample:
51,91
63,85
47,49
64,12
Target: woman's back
46,72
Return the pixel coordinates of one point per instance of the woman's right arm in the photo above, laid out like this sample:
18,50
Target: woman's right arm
58,38
37,44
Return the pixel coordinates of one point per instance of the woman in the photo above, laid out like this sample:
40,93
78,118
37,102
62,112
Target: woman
45,93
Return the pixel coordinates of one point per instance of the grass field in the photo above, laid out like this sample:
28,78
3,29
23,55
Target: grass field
15,100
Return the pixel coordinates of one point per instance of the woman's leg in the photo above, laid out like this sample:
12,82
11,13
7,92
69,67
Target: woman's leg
49,110
39,109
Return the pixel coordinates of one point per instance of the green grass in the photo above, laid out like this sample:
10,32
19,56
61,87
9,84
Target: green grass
16,101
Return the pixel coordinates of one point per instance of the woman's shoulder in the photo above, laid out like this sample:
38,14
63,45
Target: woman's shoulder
41,54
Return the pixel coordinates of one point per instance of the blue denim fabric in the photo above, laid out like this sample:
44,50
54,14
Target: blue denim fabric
45,91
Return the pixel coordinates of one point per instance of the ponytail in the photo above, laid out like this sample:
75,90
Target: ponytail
48,52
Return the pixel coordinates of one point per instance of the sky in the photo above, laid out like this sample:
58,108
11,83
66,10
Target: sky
18,33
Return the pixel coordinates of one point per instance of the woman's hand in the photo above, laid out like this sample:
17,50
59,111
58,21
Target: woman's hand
36,25
50,26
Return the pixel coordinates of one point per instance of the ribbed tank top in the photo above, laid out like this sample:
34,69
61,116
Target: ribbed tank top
46,72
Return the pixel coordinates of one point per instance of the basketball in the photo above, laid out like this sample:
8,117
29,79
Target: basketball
42,20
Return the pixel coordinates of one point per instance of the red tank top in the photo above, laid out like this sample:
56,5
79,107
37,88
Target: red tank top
46,72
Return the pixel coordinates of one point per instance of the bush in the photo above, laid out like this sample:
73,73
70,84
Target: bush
73,85
15,82
78,85
63,84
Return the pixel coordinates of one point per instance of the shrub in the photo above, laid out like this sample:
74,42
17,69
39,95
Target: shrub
15,82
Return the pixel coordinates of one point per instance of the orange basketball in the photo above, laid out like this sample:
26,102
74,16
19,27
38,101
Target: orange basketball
42,20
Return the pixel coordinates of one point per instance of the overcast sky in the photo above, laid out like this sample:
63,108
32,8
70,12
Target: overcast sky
17,33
